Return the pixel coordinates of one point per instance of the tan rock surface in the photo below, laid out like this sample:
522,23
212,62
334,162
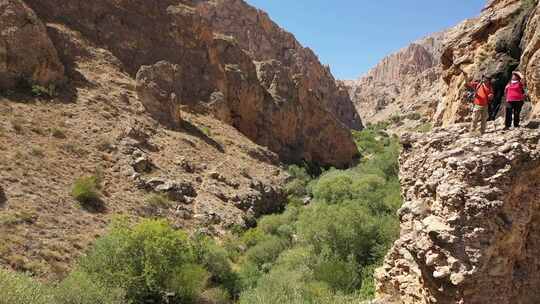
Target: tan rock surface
488,44
470,220
530,60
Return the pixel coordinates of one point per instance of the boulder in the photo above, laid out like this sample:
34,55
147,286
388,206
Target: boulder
26,53
159,88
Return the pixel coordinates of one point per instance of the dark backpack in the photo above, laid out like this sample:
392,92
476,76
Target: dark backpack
470,93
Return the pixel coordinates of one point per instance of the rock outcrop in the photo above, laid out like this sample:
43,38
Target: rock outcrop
27,55
470,222
530,59
402,83
213,74
487,45
290,72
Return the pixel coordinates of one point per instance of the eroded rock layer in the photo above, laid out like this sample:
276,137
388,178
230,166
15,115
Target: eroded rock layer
470,221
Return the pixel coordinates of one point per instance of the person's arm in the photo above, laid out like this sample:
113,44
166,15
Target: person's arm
525,93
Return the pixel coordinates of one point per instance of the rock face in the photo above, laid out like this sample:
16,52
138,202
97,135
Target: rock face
530,59
405,82
429,76
159,86
487,45
470,222
204,72
26,52
290,72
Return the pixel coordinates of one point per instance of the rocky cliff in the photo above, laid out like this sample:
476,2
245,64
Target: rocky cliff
148,98
289,71
470,221
491,44
405,82
428,77
212,74
21,59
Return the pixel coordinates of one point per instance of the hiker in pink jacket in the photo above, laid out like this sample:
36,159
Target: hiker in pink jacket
515,97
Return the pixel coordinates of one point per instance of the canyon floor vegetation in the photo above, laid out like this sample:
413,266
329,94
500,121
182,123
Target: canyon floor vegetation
323,248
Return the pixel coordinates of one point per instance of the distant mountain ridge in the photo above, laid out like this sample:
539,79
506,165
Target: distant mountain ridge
403,82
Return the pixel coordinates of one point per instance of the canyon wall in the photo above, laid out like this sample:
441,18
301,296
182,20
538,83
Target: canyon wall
214,74
150,101
289,71
429,76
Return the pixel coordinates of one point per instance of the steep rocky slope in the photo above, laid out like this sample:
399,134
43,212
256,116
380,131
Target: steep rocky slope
289,71
470,221
150,99
405,82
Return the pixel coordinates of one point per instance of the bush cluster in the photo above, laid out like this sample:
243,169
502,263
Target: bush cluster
327,251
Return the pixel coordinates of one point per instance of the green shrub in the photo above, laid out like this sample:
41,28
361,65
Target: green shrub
156,202
414,116
58,133
86,191
280,224
41,91
300,179
20,289
424,128
215,260
79,288
148,261
266,252
186,282
37,152
338,274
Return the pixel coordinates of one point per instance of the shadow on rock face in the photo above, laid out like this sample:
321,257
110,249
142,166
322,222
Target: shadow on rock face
94,205
3,198
195,131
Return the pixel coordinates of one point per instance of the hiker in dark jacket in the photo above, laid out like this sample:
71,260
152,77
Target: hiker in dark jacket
515,97
483,95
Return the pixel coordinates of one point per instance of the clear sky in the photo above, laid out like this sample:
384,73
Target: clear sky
353,35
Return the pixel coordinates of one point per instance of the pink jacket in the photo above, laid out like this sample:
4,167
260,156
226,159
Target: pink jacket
515,92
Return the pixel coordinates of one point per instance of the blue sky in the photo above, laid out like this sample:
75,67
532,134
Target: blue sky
353,35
